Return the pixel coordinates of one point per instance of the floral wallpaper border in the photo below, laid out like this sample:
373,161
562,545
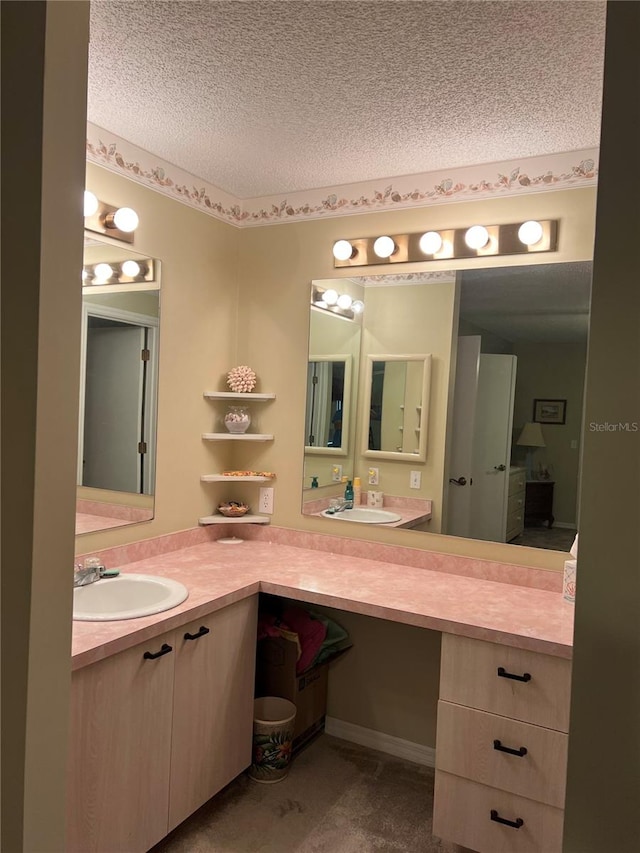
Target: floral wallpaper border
535,174
391,279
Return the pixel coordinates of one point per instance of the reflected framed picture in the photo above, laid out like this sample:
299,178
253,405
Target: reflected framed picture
550,411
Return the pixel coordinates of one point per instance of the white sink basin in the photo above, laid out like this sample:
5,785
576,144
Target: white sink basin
364,515
126,597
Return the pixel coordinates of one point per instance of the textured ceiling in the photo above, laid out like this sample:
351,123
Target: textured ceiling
269,97
547,303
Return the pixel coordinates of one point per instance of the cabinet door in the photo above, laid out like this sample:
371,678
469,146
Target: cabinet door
213,705
118,785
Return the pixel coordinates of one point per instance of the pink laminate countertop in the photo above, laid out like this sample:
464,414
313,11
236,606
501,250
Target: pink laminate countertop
217,574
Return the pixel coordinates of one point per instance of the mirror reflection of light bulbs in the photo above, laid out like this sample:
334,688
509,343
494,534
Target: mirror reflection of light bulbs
476,237
342,250
530,232
357,306
344,301
102,273
85,274
125,219
90,203
330,297
384,247
430,243
131,268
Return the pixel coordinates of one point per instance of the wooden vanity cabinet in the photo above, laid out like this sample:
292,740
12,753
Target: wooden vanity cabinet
501,750
212,706
152,739
120,739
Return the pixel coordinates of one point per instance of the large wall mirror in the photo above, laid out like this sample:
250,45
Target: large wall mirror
502,405
118,387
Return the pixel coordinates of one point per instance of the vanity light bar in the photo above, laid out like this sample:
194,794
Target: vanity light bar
121,273
475,241
103,218
335,303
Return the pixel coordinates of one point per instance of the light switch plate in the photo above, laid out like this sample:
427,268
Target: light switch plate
415,479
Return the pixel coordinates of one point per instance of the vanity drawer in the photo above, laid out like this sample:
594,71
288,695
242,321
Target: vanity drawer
463,810
515,524
517,481
466,746
538,691
516,504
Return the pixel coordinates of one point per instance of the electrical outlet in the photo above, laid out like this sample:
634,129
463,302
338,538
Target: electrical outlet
266,501
415,478
336,473
374,476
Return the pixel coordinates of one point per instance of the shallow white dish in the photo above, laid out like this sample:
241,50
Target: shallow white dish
126,597
364,515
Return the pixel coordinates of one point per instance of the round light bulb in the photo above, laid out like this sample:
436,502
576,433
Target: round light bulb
430,243
476,237
85,274
90,203
530,232
125,219
342,250
357,306
384,247
330,297
344,301
131,268
102,273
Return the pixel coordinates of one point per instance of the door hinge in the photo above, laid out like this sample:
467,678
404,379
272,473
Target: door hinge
142,447
145,355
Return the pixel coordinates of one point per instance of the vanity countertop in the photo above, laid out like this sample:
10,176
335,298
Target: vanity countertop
219,574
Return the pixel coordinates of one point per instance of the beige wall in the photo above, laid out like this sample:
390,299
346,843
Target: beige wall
44,54
199,313
281,260
412,319
603,788
554,372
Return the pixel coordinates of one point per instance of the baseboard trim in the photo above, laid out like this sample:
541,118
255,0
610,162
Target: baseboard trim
396,746
569,525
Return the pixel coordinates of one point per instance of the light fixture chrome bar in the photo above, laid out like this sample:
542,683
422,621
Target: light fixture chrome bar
102,222
146,274
501,240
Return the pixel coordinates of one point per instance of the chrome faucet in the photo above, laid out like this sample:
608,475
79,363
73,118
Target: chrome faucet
92,571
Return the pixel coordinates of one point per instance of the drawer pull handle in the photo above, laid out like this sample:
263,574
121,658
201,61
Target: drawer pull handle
520,752
516,824
201,632
165,648
502,672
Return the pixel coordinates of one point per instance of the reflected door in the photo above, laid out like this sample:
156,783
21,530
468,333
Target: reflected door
114,407
458,522
492,446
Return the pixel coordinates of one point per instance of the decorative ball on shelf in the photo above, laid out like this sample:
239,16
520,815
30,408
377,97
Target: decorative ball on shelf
241,379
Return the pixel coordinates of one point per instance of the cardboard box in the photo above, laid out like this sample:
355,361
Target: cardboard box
276,676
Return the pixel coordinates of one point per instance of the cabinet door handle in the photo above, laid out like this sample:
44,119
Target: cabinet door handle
521,752
165,648
502,673
516,824
201,632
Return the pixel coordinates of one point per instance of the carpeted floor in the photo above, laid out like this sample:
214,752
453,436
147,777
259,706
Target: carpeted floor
337,798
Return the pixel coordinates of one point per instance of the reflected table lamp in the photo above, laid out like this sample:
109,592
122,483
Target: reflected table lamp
531,437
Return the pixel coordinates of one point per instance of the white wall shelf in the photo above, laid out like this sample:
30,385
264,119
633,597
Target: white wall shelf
236,395
245,519
229,436
245,478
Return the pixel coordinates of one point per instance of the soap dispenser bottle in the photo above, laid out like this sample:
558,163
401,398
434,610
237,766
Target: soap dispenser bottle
348,495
